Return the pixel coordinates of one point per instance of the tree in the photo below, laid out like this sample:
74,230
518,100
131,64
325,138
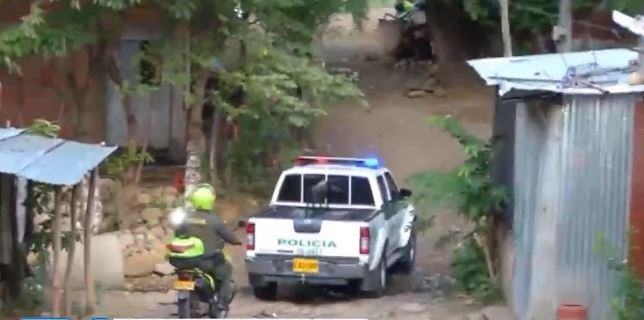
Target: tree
465,28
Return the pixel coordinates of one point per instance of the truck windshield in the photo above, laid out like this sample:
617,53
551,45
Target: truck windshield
340,190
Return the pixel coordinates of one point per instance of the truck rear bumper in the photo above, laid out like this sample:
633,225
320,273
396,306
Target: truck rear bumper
340,271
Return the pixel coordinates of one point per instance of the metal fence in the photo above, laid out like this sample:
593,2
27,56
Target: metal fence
572,178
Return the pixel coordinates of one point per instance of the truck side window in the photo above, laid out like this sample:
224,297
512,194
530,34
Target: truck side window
291,188
338,190
383,189
393,189
361,192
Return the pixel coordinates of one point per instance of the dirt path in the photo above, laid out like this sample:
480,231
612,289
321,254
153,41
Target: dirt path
394,128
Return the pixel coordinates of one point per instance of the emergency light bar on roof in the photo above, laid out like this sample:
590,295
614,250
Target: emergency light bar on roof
358,162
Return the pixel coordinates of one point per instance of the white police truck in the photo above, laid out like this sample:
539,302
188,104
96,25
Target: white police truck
331,221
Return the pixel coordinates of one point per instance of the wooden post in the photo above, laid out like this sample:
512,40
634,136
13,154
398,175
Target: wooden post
90,288
565,25
17,268
72,250
56,247
505,27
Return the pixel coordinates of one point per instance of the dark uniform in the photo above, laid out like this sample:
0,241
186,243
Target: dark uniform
214,234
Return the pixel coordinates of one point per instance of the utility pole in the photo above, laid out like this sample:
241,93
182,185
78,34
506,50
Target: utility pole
505,27
563,31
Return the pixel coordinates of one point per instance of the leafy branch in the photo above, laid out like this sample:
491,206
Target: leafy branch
470,190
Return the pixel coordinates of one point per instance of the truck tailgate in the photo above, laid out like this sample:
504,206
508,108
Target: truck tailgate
322,238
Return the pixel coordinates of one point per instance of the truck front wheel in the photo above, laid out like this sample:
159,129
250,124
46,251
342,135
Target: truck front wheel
267,292
408,261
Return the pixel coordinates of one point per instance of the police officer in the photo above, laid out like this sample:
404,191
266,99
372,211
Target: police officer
203,223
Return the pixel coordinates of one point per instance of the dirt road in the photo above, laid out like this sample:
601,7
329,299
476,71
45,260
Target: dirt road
395,128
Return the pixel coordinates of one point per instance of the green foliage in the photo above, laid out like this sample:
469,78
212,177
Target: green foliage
116,165
471,274
272,108
42,195
44,128
35,294
278,37
628,300
629,303
469,189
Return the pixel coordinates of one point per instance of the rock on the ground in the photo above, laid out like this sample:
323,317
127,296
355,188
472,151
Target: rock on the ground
143,199
158,232
141,264
371,56
430,84
498,313
164,269
107,262
440,92
414,94
413,307
152,216
126,239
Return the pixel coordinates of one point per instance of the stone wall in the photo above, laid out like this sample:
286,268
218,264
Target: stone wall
143,229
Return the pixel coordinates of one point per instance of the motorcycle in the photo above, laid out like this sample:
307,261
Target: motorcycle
194,287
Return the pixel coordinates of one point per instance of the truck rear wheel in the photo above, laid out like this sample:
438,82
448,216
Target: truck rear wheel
380,279
266,293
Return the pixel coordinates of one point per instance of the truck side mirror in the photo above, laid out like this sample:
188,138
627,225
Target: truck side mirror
405,193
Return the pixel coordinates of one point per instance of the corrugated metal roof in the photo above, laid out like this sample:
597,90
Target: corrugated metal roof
595,72
48,160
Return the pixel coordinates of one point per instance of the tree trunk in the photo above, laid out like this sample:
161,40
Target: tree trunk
56,248
565,23
505,27
90,289
144,149
214,146
28,239
196,139
72,250
17,269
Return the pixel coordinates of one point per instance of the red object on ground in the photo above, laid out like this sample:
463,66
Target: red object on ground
572,312
179,181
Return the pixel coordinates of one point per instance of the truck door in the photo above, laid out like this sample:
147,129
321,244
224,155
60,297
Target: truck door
389,209
398,210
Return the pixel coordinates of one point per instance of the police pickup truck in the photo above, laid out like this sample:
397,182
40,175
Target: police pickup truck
331,221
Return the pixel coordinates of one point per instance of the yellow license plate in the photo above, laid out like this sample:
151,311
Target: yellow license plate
184,285
306,265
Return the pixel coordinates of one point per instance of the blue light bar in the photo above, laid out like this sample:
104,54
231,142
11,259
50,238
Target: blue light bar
372,162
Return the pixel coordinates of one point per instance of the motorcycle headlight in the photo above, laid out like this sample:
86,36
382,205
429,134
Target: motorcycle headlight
177,216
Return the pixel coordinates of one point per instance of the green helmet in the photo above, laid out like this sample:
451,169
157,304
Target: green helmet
203,197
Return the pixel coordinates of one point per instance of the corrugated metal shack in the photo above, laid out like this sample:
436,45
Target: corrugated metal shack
571,133
23,158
